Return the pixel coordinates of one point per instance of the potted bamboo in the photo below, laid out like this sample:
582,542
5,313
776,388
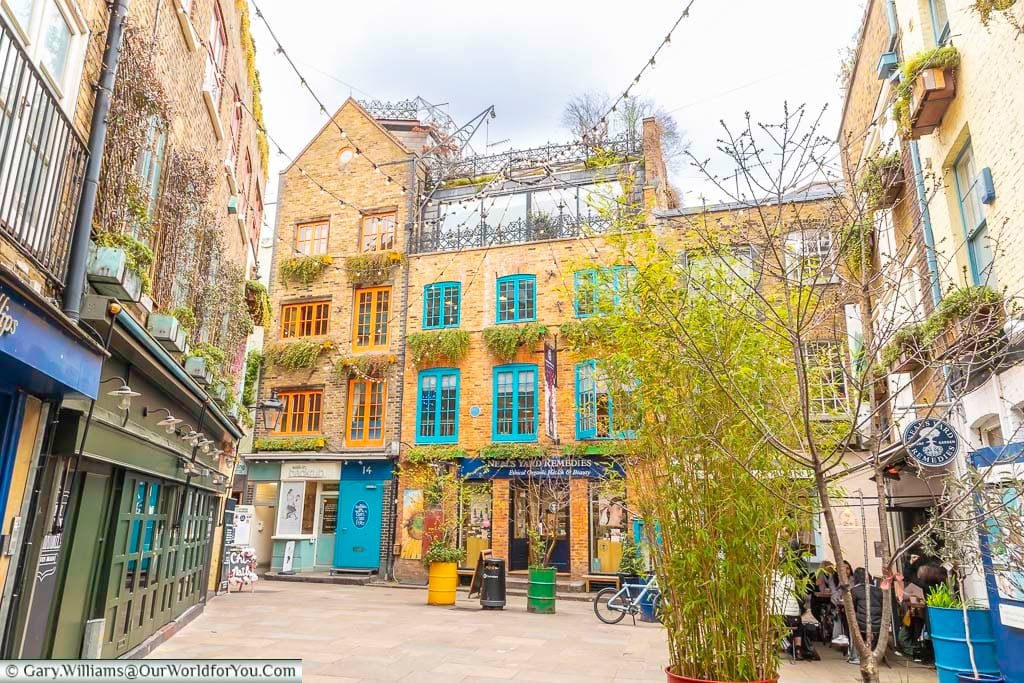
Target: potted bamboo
541,592
963,638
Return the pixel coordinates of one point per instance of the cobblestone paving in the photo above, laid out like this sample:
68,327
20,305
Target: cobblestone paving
347,633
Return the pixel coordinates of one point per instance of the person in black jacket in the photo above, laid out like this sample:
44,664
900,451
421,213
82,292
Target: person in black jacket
861,590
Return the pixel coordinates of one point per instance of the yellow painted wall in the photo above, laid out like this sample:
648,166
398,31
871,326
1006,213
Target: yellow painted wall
30,425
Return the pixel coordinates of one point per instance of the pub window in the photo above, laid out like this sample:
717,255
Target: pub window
365,412
378,232
305,319
300,412
371,319
311,238
515,403
441,305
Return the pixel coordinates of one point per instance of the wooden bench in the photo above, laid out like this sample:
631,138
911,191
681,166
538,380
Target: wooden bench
611,579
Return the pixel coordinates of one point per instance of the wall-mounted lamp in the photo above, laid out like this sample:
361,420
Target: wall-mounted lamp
190,469
124,392
271,410
169,423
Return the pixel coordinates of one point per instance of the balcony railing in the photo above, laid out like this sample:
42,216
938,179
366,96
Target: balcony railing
42,163
560,226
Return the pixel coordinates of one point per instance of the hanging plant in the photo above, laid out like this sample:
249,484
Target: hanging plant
985,8
304,269
881,180
253,365
431,347
296,355
258,299
511,451
421,455
314,443
372,268
371,366
249,49
580,335
504,341
185,316
855,248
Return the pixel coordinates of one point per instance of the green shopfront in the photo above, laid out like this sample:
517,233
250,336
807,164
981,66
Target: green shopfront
125,519
319,512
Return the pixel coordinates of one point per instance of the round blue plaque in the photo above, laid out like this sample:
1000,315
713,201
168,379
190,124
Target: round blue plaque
931,442
360,514
475,411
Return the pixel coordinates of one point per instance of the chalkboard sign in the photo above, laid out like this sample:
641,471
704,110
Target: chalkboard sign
241,566
229,521
329,516
478,574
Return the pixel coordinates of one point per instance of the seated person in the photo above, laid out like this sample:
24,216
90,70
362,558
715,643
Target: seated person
785,603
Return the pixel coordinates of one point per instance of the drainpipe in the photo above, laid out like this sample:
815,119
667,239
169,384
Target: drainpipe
926,222
74,286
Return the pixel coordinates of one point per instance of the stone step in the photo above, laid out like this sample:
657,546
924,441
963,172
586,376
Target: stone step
321,577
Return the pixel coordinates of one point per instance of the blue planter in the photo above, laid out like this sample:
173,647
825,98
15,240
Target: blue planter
969,677
946,627
647,608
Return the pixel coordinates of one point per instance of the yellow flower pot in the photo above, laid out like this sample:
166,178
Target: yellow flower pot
442,580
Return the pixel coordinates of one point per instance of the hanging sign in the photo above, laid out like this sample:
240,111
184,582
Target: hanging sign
931,442
550,383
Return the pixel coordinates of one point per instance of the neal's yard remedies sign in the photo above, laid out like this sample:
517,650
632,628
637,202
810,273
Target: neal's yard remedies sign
931,442
540,468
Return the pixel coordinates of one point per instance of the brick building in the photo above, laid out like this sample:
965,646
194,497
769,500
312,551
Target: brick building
933,92
128,241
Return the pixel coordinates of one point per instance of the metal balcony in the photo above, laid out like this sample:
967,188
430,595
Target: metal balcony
42,163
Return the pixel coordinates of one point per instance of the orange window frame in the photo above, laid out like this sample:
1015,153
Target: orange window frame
370,318
364,419
301,412
381,237
311,238
306,319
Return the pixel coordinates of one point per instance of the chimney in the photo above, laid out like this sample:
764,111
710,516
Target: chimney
658,193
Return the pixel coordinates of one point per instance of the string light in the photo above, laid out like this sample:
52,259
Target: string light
649,64
302,80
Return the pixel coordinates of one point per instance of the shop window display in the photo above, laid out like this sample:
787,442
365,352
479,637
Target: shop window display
608,526
476,530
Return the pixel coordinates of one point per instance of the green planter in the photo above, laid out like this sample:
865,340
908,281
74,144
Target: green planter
541,593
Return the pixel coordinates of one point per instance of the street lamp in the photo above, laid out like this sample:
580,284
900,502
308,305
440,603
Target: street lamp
271,410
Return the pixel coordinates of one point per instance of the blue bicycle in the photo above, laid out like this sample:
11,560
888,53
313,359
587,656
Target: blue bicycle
612,604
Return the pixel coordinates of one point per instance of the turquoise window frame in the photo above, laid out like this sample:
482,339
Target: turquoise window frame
973,234
592,276
442,288
516,369
517,282
940,33
590,433
438,374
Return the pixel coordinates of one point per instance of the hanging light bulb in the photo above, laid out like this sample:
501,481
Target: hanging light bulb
343,134
126,395
169,423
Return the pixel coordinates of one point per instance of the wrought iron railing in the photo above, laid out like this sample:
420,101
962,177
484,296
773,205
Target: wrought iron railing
383,109
42,162
626,146
561,226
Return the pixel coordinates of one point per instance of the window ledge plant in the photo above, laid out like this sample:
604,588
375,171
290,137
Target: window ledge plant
421,455
296,355
138,257
432,347
580,335
373,267
967,316
945,57
311,443
599,449
304,269
504,341
905,352
511,451
371,366
882,180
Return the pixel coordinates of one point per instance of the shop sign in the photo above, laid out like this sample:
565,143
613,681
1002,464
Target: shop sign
931,442
360,514
311,470
550,384
8,323
541,468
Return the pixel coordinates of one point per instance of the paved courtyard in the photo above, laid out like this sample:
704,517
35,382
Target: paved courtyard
349,633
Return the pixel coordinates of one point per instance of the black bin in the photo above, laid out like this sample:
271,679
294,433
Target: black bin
492,588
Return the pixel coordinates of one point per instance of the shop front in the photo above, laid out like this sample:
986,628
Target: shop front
578,503
317,515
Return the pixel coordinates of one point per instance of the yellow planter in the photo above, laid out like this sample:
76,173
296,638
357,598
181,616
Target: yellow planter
443,579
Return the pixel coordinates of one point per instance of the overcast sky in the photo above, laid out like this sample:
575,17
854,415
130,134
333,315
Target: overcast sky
529,56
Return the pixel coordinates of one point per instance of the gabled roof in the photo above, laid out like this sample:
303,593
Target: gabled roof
330,124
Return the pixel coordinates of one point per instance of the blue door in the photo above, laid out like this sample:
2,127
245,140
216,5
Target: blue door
357,538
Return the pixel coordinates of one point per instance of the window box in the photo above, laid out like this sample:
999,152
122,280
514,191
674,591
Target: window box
907,356
198,370
168,331
109,274
932,93
887,65
974,334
